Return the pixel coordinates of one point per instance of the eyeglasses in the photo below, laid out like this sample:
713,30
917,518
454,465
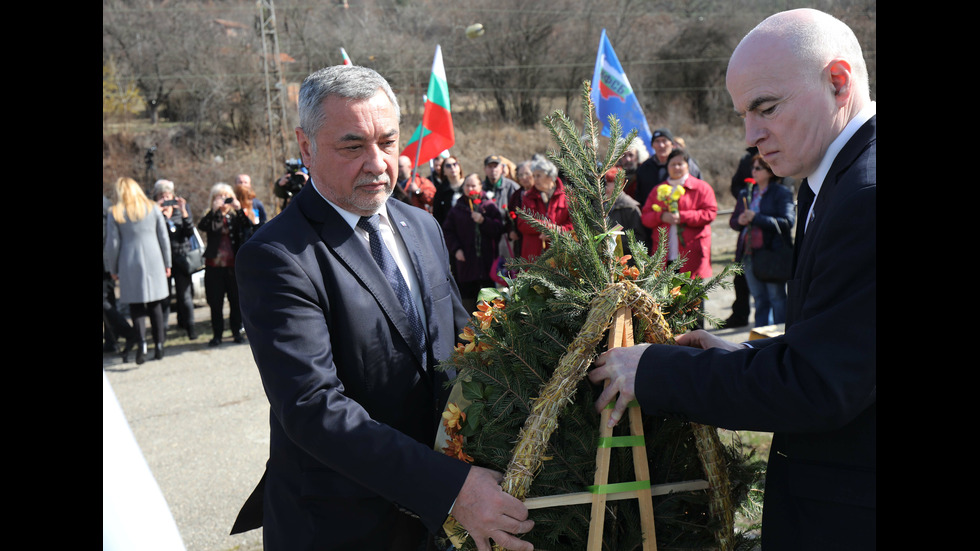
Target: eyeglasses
450,164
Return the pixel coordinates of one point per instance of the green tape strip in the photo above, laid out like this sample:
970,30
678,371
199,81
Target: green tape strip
622,441
619,487
632,404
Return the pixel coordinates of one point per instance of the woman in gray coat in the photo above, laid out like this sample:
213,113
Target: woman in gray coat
137,252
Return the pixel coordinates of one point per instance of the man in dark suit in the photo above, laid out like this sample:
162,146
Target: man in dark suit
800,82
349,304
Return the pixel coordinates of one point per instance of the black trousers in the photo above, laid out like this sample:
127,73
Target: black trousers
740,308
182,292
219,282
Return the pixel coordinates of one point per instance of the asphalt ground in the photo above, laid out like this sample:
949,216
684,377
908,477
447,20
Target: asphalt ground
200,417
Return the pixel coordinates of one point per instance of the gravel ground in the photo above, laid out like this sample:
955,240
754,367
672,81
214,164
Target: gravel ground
200,416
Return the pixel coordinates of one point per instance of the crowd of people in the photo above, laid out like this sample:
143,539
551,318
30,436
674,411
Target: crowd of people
479,216
151,249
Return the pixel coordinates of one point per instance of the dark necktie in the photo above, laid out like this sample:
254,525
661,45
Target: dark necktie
804,200
386,262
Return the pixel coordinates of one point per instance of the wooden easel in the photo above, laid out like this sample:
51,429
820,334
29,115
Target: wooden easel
620,334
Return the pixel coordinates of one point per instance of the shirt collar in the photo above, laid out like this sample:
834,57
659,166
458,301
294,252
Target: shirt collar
816,179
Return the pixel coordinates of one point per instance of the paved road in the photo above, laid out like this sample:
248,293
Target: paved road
200,417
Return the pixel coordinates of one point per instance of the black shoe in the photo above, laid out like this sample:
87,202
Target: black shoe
130,343
158,352
214,342
239,338
140,353
733,321
191,333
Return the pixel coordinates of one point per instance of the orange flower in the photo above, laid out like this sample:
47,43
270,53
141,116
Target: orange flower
453,417
486,313
676,291
473,342
454,448
628,272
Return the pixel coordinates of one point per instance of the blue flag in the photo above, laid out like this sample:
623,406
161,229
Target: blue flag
613,95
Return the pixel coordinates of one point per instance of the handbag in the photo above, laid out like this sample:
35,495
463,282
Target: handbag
773,265
192,258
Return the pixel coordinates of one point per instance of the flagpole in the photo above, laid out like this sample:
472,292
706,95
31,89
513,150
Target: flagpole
418,148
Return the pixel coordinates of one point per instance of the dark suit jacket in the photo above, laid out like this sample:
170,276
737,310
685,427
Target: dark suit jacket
353,412
815,386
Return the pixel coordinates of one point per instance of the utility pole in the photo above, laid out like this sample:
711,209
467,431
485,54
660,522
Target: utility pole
275,87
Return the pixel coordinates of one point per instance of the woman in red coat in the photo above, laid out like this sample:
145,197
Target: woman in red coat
684,206
545,199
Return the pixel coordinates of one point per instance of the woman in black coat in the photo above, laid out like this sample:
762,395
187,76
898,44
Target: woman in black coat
180,228
472,229
227,227
764,215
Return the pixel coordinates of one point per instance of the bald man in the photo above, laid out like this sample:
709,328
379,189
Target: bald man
799,81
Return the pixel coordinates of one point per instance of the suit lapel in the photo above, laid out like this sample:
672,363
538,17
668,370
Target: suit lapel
853,149
354,251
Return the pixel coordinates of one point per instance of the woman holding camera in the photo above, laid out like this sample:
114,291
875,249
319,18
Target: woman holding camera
180,228
227,227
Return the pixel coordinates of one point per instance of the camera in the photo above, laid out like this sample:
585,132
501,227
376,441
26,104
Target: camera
295,179
170,203
229,200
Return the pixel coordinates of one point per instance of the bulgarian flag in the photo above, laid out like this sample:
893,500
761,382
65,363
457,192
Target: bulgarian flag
347,61
435,134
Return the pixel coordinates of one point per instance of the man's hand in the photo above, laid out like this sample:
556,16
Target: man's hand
618,367
704,340
486,512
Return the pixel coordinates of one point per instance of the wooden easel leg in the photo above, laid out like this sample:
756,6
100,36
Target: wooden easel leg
621,334
642,470
603,454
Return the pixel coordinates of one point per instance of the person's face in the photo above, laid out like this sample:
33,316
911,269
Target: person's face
472,185
356,152
760,174
662,147
629,159
436,165
244,180
788,116
543,182
494,171
677,167
219,201
404,167
450,168
524,177
165,196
